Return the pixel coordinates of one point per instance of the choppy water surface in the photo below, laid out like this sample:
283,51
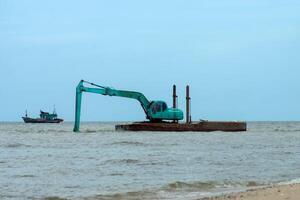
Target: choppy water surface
42,161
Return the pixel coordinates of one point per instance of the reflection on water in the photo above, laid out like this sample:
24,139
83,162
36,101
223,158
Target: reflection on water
52,162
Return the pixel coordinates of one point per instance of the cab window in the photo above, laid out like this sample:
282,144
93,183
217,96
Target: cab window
164,106
156,108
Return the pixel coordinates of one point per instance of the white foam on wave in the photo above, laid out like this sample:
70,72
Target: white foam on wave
293,181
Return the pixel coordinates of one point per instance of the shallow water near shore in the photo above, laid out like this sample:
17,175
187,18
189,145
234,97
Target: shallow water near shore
40,161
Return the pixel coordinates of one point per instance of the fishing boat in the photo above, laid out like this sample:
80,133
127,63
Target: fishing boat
45,117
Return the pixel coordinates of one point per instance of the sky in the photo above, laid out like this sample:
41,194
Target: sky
240,58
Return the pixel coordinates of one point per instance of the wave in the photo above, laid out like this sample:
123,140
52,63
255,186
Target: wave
180,190
134,161
286,130
139,195
49,131
39,131
97,130
53,131
54,198
293,181
209,185
178,185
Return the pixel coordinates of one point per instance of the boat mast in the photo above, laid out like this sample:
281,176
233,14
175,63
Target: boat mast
54,110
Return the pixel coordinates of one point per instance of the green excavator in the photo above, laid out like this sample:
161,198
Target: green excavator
156,111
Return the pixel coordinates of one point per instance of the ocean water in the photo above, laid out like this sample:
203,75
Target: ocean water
49,161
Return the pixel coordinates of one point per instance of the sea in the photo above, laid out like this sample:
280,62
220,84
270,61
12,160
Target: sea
50,162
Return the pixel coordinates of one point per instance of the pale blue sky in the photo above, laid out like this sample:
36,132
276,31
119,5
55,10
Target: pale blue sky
241,58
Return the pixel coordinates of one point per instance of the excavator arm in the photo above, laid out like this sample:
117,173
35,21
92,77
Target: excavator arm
105,91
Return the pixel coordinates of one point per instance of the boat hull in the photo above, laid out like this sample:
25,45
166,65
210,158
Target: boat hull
40,120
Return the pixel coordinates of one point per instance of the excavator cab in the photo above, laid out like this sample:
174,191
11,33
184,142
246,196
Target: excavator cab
158,111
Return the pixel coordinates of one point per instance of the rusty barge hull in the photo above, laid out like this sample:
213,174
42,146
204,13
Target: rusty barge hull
202,126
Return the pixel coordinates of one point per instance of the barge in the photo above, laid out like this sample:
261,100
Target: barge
200,126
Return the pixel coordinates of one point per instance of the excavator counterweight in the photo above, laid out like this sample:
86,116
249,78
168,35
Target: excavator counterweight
155,111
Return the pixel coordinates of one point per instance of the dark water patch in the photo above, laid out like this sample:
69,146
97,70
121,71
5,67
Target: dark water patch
133,143
237,146
90,131
72,187
121,161
153,163
116,174
288,153
24,176
15,145
129,161
217,163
